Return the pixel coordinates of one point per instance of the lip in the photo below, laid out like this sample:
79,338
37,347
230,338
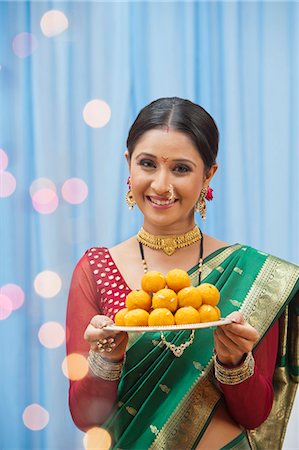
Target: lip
154,201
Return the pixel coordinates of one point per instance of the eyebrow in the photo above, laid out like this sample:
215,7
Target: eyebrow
179,160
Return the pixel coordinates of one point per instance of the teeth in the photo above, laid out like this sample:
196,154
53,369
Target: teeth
162,202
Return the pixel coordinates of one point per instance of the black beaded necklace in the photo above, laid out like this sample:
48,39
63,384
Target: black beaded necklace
200,260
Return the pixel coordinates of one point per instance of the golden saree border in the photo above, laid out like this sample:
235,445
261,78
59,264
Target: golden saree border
272,287
275,283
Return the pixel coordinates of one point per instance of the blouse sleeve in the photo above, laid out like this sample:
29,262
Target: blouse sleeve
250,402
91,398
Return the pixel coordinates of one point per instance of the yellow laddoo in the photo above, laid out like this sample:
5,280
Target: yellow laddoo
160,317
189,296
177,279
218,311
119,318
153,281
210,294
138,299
186,314
136,318
165,298
208,313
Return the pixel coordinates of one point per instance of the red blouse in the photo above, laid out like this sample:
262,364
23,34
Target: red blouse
97,287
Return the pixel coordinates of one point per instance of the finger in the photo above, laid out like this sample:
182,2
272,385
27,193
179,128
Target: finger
234,346
236,317
101,321
115,341
244,331
94,334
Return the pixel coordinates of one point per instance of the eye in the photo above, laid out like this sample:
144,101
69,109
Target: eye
146,163
181,168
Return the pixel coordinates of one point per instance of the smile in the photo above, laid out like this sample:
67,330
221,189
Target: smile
165,202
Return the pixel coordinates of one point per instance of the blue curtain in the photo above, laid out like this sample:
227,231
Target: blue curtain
239,60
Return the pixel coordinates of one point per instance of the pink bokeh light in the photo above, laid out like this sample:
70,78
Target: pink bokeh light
15,293
35,417
45,201
24,44
5,306
7,184
74,191
51,334
3,160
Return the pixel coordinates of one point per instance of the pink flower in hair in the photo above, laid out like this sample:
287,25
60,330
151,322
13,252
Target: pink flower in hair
209,194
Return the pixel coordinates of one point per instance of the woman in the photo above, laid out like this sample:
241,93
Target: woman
209,389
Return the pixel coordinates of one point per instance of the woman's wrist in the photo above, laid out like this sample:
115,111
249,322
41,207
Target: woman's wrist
103,368
236,374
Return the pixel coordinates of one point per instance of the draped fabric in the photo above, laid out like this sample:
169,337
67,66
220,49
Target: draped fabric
63,175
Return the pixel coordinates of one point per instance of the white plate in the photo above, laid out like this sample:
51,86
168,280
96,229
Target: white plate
189,326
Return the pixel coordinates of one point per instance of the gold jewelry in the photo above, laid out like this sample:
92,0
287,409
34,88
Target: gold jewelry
129,195
200,205
171,192
234,375
107,370
178,350
169,243
106,345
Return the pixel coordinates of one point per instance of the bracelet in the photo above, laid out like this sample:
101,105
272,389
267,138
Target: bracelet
234,375
100,367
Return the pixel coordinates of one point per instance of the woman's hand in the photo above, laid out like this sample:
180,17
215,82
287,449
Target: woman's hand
234,340
95,332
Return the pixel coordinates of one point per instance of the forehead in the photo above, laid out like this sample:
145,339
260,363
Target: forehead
166,143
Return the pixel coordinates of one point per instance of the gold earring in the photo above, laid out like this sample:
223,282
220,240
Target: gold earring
200,205
129,195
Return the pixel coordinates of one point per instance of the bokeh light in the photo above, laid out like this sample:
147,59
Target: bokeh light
24,44
47,284
35,417
5,306
45,201
96,113
97,439
15,293
53,22
7,184
3,160
74,191
41,183
51,334
75,366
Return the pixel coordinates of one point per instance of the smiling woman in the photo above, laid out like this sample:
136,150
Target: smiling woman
176,390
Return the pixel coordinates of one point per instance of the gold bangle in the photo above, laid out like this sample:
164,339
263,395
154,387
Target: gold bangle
100,367
234,375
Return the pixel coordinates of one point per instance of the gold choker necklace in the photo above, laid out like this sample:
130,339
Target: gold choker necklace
170,242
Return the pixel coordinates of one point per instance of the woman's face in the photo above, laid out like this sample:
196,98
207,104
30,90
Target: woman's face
164,157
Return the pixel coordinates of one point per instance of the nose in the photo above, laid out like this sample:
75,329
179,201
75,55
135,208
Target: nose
161,181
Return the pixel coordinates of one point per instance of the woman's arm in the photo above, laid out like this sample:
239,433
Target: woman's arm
91,398
250,401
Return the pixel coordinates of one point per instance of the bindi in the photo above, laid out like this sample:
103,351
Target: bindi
164,159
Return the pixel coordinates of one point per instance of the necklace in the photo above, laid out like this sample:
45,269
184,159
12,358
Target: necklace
200,259
169,243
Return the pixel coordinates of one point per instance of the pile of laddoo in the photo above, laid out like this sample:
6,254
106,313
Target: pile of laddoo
169,300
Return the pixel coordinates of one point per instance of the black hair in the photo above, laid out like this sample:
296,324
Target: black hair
181,115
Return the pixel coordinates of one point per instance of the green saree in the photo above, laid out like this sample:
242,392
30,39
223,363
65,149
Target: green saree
167,402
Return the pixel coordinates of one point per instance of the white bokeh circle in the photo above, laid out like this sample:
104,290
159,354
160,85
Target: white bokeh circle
35,417
15,293
96,113
53,23
47,284
51,334
74,191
